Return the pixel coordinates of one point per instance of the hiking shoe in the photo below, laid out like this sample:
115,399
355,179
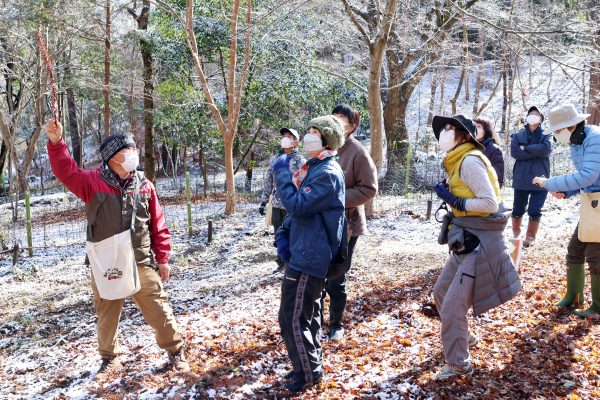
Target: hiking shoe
336,333
473,339
178,361
109,365
297,382
449,372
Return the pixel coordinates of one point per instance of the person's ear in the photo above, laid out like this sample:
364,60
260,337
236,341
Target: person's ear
572,128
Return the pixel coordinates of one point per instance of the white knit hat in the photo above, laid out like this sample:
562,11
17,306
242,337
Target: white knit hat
563,117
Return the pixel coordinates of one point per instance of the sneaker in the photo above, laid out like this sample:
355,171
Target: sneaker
449,372
298,384
336,333
109,365
178,361
473,339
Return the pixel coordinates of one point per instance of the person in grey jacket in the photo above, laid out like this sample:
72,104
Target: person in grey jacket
289,145
480,272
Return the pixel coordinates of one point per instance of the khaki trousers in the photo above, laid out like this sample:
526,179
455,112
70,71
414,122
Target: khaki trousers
453,293
151,299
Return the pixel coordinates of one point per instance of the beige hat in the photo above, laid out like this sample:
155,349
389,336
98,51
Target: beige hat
563,117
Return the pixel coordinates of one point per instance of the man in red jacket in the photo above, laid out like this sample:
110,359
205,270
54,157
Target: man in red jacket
108,194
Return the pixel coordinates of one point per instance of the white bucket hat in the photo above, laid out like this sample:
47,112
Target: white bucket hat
563,117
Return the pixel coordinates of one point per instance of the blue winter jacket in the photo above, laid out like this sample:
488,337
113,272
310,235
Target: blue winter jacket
494,154
315,215
586,158
531,161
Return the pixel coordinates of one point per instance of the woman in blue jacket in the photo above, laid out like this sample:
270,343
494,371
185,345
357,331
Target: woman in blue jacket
531,149
584,140
310,236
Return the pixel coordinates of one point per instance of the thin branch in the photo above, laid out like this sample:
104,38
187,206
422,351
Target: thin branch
358,25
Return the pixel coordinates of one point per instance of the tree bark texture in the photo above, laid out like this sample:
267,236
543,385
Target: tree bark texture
106,87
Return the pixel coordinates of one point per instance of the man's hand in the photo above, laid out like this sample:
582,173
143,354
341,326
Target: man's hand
559,195
540,181
54,131
164,271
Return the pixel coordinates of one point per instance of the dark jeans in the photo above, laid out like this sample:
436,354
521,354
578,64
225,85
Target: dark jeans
579,252
336,288
536,200
300,322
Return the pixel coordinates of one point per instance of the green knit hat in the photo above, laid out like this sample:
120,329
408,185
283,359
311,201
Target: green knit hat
332,129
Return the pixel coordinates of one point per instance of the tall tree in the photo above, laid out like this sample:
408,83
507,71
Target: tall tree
106,87
594,99
374,26
408,65
235,87
147,61
76,143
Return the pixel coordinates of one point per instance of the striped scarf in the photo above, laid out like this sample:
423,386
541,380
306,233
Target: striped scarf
300,175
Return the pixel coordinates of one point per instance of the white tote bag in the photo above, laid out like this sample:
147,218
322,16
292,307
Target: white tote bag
589,218
269,213
113,261
114,267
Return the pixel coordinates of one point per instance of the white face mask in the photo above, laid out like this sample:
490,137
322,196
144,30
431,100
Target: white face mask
312,142
563,135
286,143
447,141
132,160
533,119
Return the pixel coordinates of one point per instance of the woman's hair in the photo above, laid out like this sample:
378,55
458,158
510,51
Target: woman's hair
461,134
488,128
352,114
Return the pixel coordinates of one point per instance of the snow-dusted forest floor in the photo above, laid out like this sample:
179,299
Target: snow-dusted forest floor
226,300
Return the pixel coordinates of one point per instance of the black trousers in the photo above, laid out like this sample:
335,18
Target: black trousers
300,322
336,289
277,217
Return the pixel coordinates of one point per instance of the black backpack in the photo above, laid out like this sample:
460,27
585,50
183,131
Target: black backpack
339,263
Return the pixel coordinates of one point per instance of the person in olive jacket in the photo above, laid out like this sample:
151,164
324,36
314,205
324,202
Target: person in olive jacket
531,149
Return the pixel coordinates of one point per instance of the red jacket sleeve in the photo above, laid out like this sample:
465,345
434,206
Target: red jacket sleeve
77,180
160,235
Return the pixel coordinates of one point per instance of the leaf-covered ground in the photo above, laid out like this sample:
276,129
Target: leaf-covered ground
226,300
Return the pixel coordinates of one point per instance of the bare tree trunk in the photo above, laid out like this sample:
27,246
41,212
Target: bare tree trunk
234,91
454,100
467,59
594,95
395,107
106,88
72,109
442,77
381,22
432,97
480,72
147,61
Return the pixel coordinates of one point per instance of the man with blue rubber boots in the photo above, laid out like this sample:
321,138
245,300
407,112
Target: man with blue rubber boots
308,240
